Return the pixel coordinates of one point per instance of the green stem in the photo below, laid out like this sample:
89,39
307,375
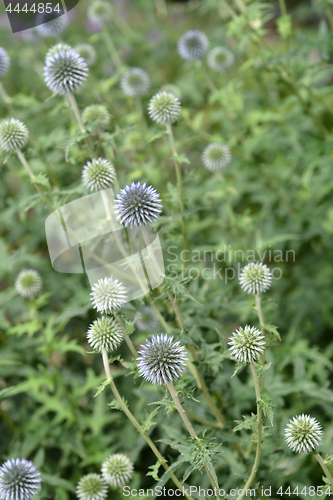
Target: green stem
262,324
202,420
112,49
123,26
208,79
190,429
259,423
325,469
73,104
179,181
283,8
139,110
128,341
7,100
136,424
329,11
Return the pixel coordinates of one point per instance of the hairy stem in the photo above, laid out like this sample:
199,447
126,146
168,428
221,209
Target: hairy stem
128,341
325,469
112,49
73,104
262,324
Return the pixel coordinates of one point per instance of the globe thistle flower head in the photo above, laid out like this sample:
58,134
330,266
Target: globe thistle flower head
4,62
86,51
135,82
193,45
137,205
19,479
13,134
164,107
108,295
220,59
162,360
96,118
247,344
57,48
303,434
91,487
65,71
146,319
104,333
255,277
28,283
98,174
50,24
216,156
117,470
173,89
100,11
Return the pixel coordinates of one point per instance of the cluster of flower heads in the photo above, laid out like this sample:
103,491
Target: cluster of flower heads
146,319
28,283
98,174
135,82
193,45
86,51
65,71
4,62
303,434
19,480
116,471
247,344
161,360
137,205
216,156
255,277
164,107
96,118
13,135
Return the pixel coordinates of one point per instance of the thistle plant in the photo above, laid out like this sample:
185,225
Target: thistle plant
216,156
137,205
146,320
220,59
65,71
91,487
13,135
104,333
58,47
135,82
303,434
88,53
4,62
50,24
255,278
96,118
98,174
19,479
28,283
117,470
164,107
172,89
193,45
108,295
247,344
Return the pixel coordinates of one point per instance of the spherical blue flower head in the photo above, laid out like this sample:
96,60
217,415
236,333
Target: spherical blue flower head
4,62
137,205
162,360
303,434
147,319
193,45
65,71
19,480
50,24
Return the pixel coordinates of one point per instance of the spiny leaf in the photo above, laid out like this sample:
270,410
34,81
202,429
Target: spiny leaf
265,404
154,470
247,423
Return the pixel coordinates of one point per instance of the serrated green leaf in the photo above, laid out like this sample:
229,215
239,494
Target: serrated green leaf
265,404
154,470
101,387
41,179
247,423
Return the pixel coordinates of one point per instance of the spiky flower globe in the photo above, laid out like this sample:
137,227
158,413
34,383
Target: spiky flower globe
146,319
247,344
173,89
108,295
303,433
255,277
65,71
57,48
137,205
96,118
13,135
100,11
28,283
104,333
164,107
49,24
19,479
193,45
86,51
91,487
117,470
4,62
161,360
98,174
216,156
135,82
220,59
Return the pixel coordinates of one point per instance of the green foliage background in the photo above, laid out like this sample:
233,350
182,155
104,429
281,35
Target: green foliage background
274,109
